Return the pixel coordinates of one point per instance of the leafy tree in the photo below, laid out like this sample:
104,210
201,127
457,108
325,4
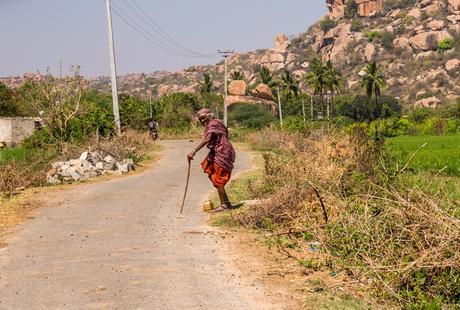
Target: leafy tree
7,105
290,85
206,85
237,76
373,82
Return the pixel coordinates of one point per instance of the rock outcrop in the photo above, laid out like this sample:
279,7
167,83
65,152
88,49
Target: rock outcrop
366,8
237,88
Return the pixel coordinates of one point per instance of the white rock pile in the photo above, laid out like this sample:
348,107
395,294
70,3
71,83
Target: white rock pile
89,165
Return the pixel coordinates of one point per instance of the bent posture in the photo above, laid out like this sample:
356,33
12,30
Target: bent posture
219,162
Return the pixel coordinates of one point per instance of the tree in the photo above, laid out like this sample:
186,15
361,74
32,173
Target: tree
57,101
316,79
7,106
267,78
334,83
290,85
373,82
206,85
237,76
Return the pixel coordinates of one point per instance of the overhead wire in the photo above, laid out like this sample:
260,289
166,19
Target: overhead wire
146,34
162,32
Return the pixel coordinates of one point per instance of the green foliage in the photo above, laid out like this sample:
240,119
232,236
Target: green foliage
445,44
237,76
327,24
351,9
360,108
266,77
10,105
387,39
373,35
176,110
250,116
290,86
356,25
439,152
206,85
134,112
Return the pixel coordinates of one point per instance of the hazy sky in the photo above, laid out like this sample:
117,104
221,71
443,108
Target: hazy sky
40,33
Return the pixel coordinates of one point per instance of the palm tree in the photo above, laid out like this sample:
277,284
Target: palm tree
290,85
206,85
316,79
334,83
373,82
267,78
237,75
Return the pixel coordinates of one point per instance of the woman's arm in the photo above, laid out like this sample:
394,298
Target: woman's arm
199,147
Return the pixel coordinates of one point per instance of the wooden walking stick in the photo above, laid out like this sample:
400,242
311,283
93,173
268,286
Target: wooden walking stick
186,187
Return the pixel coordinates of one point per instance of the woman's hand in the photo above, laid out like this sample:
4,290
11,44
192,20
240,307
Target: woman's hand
191,155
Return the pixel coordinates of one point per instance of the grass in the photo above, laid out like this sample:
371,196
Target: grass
439,153
15,153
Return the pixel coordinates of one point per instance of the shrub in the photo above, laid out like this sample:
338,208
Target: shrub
445,44
327,24
356,25
351,9
387,39
250,116
373,35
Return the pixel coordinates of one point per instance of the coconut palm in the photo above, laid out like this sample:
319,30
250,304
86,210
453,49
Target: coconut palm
206,85
237,75
316,78
373,82
267,78
334,83
290,85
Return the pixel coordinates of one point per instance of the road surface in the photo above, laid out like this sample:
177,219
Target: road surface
121,244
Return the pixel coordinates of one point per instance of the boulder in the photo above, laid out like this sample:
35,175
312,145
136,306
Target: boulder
369,7
263,91
402,43
281,43
428,40
369,51
436,25
237,88
415,12
453,65
276,57
431,102
454,5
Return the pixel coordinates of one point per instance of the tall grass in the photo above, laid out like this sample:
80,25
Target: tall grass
380,228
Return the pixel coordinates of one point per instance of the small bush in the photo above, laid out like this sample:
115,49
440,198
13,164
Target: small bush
445,44
356,25
327,24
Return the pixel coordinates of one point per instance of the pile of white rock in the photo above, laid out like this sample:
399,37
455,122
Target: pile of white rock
89,165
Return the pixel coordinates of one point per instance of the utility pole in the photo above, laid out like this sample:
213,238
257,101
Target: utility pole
279,107
304,116
225,54
113,68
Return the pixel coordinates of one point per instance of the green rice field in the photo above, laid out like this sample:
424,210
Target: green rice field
439,153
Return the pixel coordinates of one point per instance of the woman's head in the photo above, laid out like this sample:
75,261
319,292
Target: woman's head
204,116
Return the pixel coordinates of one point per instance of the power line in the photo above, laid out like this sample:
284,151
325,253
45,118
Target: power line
133,24
148,36
160,31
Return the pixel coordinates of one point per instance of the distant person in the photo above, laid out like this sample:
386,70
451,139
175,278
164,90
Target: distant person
218,164
153,129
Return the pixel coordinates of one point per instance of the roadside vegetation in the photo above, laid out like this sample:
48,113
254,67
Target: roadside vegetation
372,187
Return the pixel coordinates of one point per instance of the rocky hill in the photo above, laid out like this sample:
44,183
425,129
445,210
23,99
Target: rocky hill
416,41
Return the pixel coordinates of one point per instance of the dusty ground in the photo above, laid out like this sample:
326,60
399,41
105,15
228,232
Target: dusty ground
121,244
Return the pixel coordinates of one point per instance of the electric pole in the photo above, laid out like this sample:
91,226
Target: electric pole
279,107
113,68
225,54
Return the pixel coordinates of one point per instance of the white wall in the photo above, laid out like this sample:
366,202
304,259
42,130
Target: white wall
6,134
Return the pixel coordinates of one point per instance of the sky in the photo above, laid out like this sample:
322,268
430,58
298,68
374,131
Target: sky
37,34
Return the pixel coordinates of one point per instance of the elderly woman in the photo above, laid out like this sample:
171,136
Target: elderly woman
219,162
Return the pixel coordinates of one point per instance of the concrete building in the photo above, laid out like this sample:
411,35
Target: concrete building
14,129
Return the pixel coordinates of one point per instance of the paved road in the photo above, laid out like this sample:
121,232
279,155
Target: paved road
121,244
